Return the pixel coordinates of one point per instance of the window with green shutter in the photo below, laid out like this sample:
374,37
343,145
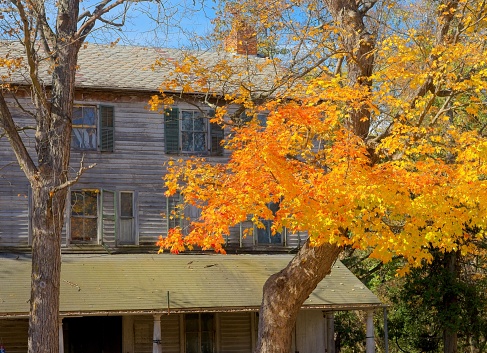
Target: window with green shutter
189,131
93,128
106,128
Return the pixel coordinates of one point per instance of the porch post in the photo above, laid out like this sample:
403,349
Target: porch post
330,334
370,343
156,338
61,335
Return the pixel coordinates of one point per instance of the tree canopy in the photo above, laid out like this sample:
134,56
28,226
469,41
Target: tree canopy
413,180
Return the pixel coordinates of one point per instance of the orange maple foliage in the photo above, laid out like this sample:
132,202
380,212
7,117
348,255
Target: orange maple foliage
417,181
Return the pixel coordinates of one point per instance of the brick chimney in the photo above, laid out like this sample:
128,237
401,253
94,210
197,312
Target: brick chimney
242,38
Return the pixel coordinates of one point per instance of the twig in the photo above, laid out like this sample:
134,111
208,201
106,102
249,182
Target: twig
73,181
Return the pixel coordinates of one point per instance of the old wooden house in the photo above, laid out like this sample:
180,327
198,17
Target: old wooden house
118,294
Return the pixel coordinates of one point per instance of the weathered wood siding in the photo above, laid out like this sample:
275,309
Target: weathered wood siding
14,189
13,335
143,330
135,165
235,332
310,332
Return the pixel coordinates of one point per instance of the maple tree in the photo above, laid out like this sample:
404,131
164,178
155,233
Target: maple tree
374,139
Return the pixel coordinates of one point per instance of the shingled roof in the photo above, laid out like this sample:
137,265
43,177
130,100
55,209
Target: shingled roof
151,283
119,67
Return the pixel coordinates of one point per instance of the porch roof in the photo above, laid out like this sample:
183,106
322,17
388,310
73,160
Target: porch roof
99,284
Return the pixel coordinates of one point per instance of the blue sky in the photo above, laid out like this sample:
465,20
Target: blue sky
170,24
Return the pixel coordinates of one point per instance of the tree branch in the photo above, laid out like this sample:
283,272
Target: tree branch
100,10
46,32
8,125
73,181
30,53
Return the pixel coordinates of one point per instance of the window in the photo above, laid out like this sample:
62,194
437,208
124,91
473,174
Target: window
179,214
127,224
93,128
189,131
199,333
84,216
264,235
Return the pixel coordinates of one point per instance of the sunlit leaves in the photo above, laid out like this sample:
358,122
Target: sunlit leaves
418,180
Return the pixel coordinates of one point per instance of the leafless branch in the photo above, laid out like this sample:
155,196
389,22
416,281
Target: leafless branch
111,23
8,125
445,107
46,32
22,108
100,10
73,181
30,52
366,6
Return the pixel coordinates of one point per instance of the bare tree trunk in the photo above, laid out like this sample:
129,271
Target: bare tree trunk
53,140
285,292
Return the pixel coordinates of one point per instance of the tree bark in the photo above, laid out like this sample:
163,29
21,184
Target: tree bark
286,291
53,140
450,302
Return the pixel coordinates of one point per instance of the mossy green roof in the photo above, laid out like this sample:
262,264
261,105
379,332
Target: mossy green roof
94,284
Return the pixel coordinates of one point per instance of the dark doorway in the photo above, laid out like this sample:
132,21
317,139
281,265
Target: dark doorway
93,334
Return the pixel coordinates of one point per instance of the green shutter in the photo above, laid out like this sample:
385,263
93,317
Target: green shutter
216,137
106,128
171,130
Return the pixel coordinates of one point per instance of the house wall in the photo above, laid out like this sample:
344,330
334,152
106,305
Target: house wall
13,335
235,333
136,165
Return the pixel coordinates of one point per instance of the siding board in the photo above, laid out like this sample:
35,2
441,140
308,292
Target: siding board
235,333
13,335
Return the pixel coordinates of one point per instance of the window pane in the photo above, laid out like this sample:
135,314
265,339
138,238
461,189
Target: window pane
77,203
207,342
84,139
264,235
192,342
83,229
187,121
199,141
77,116
199,122
84,128
187,141
192,324
84,222
206,322
89,117
126,204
